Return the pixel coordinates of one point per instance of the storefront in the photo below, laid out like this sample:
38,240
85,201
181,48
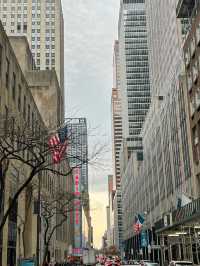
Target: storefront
180,234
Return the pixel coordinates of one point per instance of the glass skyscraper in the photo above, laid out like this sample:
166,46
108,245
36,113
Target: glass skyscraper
134,84
134,68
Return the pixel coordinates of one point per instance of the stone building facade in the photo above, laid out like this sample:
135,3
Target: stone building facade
17,101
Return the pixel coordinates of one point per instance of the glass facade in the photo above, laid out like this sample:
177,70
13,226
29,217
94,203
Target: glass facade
134,56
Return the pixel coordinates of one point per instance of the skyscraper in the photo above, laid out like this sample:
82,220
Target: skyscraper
116,134
134,68
41,21
117,142
164,46
78,160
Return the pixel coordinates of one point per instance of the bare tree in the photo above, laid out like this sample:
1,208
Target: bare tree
57,207
29,148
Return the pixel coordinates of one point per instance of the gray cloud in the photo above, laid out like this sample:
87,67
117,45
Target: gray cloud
90,31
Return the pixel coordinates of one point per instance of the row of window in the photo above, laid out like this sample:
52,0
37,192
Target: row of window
135,94
16,91
139,100
33,46
137,75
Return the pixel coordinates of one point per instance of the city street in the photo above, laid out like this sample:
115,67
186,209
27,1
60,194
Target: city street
99,132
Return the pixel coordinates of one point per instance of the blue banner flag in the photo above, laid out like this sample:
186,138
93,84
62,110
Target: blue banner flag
140,218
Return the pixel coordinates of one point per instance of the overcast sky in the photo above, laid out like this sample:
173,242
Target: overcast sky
90,31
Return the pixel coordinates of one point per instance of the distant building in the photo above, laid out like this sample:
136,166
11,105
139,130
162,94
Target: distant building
42,23
134,67
110,213
78,152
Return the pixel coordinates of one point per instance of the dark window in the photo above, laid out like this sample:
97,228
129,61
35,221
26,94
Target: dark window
24,108
33,122
25,28
29,112
19,98
6,119
14,86
7,72
18,27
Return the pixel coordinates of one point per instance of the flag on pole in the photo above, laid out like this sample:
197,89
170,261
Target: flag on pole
141,218
137,225
58,144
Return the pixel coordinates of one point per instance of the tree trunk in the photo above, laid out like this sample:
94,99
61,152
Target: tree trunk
2,186
46,247
13,201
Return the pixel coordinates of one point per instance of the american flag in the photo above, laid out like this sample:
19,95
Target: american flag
58,144
137,226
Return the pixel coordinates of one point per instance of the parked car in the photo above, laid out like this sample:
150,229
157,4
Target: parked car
180,263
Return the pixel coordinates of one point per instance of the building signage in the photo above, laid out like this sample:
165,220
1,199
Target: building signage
28,262
144,239
77,214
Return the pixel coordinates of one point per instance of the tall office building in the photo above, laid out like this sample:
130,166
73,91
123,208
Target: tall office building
164,47
41,21
134,68
116,114
116,134
78,159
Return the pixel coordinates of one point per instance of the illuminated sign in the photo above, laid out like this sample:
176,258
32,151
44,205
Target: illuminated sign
77,214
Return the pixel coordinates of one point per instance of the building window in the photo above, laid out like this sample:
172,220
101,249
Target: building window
18,27
25,28
24,108
7,72
32,122
29,113
14,86
19,98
